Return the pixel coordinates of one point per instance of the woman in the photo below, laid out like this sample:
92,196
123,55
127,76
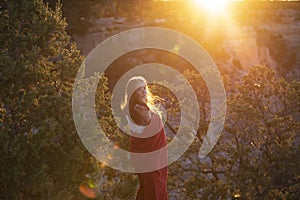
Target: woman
148,135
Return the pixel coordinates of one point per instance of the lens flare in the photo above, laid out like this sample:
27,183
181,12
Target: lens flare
83,98
212,5
88,189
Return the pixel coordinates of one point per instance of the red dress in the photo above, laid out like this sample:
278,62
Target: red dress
153,185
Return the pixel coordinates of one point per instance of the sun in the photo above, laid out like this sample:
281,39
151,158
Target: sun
212,5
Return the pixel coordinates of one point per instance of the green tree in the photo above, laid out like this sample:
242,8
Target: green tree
256,156
41,154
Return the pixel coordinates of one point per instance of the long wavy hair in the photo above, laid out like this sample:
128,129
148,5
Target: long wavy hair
133,84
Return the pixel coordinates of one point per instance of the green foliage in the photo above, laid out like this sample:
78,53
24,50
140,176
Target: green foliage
109,183
41,154
256,156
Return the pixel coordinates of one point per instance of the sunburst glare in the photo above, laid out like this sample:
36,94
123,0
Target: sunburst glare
212,5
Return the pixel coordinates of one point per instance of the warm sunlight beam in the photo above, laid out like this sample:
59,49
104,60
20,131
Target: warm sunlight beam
212,5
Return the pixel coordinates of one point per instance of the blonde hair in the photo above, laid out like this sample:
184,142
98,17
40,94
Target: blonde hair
133,84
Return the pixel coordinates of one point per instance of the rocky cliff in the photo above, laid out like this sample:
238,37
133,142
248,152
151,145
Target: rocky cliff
270,37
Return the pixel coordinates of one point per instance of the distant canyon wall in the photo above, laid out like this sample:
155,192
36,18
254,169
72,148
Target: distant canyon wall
275,44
